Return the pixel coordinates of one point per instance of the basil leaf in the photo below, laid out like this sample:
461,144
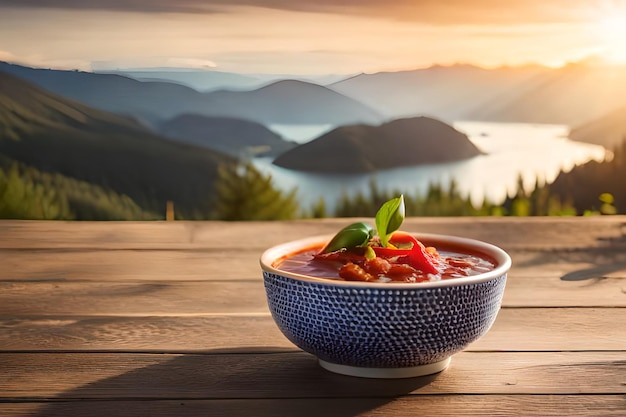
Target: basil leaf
351,236
389,218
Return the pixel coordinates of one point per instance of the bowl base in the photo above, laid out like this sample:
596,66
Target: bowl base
409,372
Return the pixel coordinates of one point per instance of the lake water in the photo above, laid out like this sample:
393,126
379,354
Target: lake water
300,133
534,152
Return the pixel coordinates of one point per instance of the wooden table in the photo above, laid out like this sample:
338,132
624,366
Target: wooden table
170,318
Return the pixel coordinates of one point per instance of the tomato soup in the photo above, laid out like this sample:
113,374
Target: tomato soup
354,266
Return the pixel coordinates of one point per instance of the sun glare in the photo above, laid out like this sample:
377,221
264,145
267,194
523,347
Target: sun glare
612,31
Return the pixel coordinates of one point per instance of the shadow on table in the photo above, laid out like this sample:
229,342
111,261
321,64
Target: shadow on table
606,258
594,273
232,382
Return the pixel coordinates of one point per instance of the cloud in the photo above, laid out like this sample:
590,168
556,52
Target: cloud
437,12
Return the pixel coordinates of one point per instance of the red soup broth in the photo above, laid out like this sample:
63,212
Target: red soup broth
453,262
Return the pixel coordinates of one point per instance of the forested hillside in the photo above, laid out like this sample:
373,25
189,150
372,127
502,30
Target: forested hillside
60,136
584,184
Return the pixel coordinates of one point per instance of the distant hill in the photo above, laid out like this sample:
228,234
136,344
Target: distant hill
236,137
449,93
55,134
608,131
283,102
572,95
211,80
201,80
146,101
291,102
364,148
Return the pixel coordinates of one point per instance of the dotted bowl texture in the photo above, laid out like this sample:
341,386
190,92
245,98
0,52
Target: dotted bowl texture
383,325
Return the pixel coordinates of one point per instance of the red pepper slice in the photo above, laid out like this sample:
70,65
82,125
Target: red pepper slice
417,255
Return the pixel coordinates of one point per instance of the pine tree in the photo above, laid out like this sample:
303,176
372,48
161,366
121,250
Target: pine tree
244,193
319,211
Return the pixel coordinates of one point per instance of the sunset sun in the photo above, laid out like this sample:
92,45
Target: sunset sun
612,32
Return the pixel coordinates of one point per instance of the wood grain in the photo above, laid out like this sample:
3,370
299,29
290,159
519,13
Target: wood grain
130,265
142,318
139,298
297,375
154,298
533,232
516,329
124,265
423,406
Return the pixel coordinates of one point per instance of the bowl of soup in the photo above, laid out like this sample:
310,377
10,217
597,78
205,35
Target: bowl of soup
379,315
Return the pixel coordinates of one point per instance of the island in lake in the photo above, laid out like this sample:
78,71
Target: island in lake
364,148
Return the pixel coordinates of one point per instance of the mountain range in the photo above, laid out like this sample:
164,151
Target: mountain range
572,95
449,93
282,102
205,80
211,80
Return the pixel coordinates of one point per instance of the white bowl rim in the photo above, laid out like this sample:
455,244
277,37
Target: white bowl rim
503,262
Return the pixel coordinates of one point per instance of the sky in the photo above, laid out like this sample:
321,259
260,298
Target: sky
309,37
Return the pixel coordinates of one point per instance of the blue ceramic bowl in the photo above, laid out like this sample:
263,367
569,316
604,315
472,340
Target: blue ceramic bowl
384,330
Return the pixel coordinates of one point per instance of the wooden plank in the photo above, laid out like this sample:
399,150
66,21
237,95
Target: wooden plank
219,264
556,329
156,235
296,375
516,329
154,298
527,232
570,264
425,406
136,298
130,265
533,291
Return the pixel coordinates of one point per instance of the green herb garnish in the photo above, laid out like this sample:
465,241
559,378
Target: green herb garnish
388,219
351,236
